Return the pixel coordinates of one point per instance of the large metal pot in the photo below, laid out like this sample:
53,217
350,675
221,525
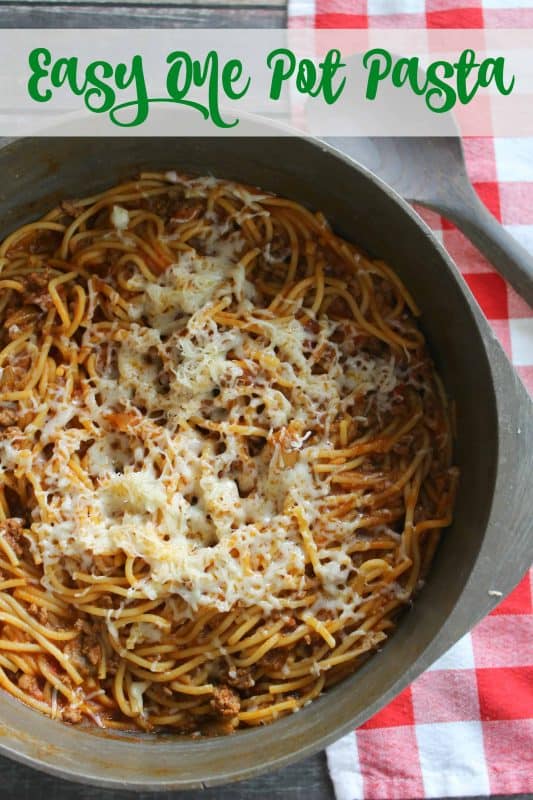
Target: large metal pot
489,545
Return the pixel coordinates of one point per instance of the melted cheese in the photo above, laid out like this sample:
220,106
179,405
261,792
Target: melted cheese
215,523
120,218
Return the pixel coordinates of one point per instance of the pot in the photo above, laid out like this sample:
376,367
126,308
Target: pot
486,550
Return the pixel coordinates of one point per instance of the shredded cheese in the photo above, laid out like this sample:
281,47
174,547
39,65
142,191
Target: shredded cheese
215,525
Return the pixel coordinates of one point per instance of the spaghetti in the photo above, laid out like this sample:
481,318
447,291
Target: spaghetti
225,457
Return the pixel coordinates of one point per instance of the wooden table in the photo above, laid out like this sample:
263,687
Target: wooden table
308,779
151,13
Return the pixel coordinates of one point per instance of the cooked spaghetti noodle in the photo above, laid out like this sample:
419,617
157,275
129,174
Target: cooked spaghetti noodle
225,457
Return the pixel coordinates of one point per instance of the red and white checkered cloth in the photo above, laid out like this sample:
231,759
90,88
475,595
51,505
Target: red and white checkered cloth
465,727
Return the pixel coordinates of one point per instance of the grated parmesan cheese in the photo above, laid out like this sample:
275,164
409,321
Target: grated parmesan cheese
120,218
215,525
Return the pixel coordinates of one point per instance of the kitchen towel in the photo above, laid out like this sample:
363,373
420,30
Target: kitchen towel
464,727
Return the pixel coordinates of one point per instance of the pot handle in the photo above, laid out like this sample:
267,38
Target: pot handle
507,256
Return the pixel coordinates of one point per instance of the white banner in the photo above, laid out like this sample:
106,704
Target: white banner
324,82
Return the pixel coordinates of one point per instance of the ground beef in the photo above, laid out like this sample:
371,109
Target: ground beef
186,212
11,433
36,284
8,417
165,205
112,663
188,723
291,623
71,715
37,281
30,685
39,613
274,660
225,701
44,241
91,649
11,529
15,375
16,322
74,653
85,650
42,301
240,678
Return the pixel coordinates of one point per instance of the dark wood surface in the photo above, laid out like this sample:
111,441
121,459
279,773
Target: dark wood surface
235,14
308,779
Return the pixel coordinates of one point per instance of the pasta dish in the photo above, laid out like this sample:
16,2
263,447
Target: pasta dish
225,457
